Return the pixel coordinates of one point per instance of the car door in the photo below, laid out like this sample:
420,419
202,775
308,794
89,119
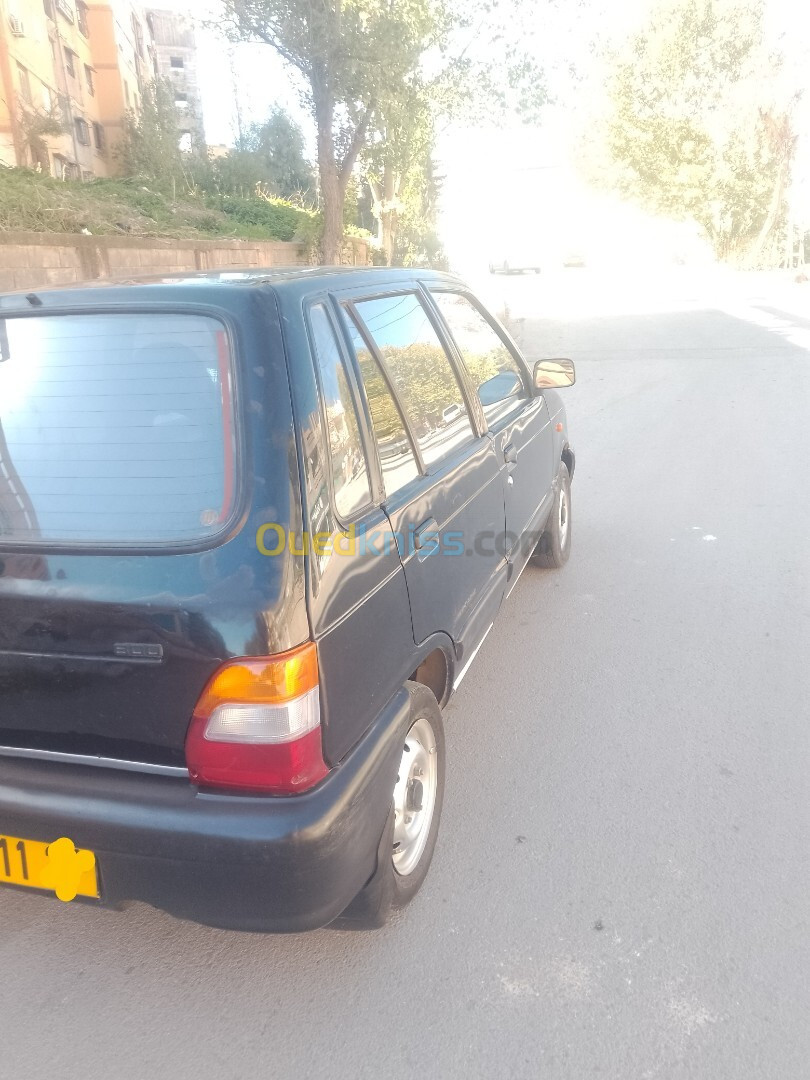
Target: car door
358,604
443,488
516,417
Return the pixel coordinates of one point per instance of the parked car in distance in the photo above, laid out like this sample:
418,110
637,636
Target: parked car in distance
517,261
253,531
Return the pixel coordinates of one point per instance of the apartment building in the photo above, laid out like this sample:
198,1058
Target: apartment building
124,57
69,71
176,61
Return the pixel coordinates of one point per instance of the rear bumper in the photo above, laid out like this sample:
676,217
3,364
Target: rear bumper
248,863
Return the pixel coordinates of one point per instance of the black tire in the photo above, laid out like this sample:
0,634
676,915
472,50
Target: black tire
554,546
389,890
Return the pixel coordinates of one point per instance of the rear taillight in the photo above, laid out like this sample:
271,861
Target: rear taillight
257,726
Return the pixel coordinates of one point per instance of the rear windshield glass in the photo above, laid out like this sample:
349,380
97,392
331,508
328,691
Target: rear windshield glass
114,429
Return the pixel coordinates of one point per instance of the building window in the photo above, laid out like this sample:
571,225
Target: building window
137,30
98,137
65,8
177,62
81,19
25,84
181,100
186,142
70,66
88,76
47,99
64,108
64,169
82,131
126,92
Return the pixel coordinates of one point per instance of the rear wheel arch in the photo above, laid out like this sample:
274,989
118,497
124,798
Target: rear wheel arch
567,456
435,672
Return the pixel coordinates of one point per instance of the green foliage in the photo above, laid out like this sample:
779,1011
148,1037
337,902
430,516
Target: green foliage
277,218
269,154
377,75
35,128
686,125
420,372
352,55
36,202
150,143
417,241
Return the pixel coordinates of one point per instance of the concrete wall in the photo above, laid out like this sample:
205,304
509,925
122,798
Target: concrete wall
36,260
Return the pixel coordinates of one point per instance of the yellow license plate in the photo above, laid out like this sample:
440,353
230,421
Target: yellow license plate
56,867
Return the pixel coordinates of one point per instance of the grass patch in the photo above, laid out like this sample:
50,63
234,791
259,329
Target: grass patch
31,202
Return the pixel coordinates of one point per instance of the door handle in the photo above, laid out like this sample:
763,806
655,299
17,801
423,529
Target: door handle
510,454
426,537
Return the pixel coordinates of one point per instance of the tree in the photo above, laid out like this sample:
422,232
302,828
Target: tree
360,59
397,156
350,54
279,142
486,70
270,154
35,128
150,144
697,122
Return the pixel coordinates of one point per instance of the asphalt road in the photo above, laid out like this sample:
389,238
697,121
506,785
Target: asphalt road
622,884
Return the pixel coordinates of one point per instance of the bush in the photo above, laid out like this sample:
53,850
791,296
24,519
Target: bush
278,217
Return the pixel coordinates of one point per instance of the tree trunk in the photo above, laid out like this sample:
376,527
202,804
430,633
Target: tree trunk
388,213
758,247
332,199
782,139
376,208
332,193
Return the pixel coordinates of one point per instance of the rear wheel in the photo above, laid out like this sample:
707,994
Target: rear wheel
554,546
412,827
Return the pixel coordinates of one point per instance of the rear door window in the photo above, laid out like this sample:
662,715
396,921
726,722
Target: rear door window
115,429
421,372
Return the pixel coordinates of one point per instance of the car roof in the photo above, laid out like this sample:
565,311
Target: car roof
297,279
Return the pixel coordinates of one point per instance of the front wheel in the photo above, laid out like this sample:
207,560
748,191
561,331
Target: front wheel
412,827
554,546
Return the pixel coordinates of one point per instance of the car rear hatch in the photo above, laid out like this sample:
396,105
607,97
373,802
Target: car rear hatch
125,580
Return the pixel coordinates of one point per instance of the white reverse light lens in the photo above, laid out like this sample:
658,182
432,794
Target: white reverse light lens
265,723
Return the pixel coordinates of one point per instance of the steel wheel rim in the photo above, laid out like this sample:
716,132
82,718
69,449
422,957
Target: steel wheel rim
415,796
565,517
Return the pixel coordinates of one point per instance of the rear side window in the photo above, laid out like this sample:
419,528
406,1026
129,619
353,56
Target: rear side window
492,367
397,461
349,472
115,429
420,371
